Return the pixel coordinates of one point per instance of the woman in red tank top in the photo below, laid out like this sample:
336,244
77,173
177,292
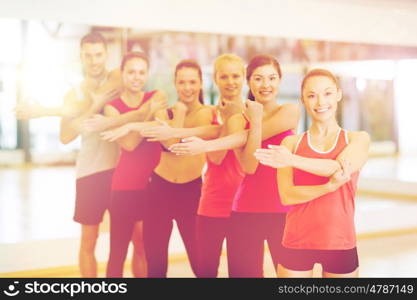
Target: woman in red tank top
137,160
257,212
213,215
318,172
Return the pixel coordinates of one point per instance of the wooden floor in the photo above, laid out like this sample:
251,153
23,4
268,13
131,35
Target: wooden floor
379,257
39,239
394,256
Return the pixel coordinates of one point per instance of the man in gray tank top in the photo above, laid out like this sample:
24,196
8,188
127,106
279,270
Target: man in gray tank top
97,158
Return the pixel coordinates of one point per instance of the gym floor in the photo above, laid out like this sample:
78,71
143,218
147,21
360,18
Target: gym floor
39,239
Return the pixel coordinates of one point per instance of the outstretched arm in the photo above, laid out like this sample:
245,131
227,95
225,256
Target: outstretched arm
163,132
129,141
69,109
285,119
116,133
34,110
195,145
280,157
292,194
128,136
101,123
356,153
296,194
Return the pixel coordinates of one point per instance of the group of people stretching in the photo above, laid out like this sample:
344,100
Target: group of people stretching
236,172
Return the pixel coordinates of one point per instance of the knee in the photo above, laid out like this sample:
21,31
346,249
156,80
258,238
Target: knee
88,243
89,235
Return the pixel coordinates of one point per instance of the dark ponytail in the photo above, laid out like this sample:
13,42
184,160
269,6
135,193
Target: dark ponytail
190,63
201,97
251,96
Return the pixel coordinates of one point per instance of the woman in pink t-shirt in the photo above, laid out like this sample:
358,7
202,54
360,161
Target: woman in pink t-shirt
318,172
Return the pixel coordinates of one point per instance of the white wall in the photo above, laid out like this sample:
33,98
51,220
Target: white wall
369,21
406,105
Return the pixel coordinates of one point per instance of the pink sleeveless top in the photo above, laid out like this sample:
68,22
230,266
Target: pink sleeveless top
327,222
220,185
134,167
258,192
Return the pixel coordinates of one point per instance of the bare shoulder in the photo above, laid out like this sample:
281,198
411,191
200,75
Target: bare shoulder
160,94
359,136
238,119
289,108
162,114
290,141
70,96
286,116
115,74
236,123
205,110
72,99
204,116
110,111
114,81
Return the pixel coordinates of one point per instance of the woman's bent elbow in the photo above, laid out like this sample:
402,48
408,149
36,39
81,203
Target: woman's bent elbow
129,148
249,169
285,198
65,139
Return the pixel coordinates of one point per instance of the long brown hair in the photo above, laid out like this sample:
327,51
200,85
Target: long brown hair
259,61
132,55
190,63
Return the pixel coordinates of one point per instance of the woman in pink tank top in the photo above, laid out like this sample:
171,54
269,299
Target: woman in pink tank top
257,212
213,215
137,160
318,172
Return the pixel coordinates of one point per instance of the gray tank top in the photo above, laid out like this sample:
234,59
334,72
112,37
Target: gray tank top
95,155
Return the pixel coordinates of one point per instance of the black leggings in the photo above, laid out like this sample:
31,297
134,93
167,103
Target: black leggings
126,208
167,202
246,244
210,233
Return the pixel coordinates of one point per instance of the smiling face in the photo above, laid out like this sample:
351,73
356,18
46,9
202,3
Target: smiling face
229,77
264,83
93,59
188,84
320,96
134,74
